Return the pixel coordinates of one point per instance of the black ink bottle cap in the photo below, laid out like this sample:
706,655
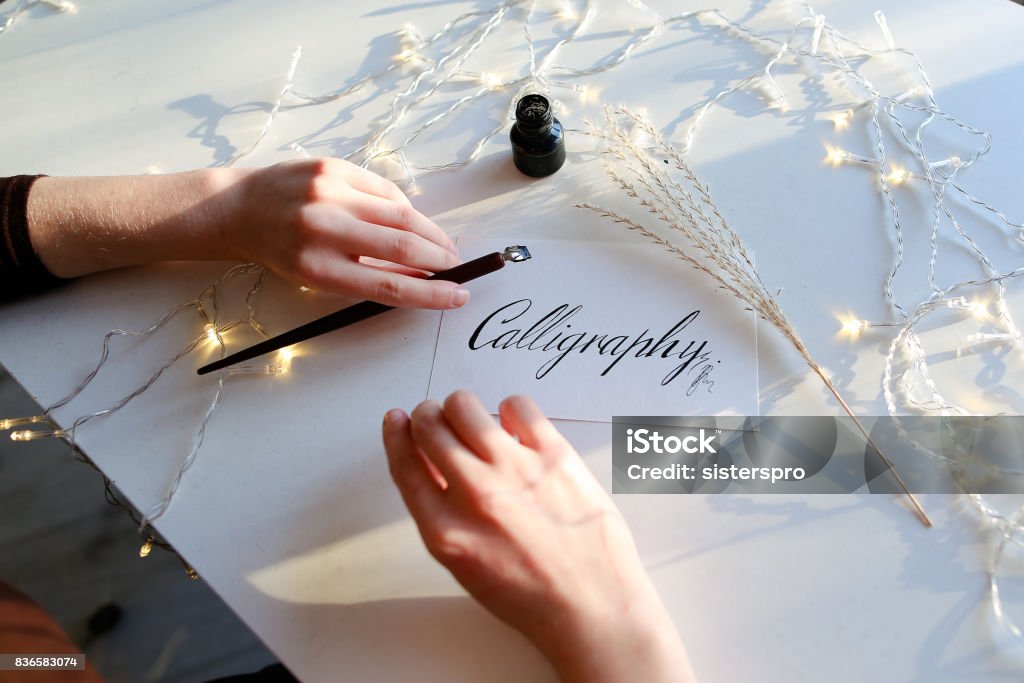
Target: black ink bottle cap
538,142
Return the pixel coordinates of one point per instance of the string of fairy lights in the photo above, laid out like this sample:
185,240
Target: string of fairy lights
422,70
10,18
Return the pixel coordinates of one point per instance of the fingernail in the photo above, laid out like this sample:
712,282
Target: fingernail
392,415
452,248
460,295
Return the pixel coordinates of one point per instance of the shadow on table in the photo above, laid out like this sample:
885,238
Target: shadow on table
212,115
429,640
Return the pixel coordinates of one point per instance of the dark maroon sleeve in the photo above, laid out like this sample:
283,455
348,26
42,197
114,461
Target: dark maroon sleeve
21,271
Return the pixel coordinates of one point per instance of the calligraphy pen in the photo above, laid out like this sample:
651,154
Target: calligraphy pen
367,309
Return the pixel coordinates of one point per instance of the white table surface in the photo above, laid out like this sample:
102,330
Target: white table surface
289,512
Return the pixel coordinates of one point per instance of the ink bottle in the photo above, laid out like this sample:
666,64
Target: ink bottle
538,142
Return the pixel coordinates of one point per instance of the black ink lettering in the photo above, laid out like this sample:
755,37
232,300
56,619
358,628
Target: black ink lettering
480,327
550,333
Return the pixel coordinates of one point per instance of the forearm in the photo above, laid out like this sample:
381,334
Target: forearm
325,224
84,225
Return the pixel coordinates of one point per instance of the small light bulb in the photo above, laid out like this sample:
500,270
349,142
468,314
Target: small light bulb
854,327
409,38
300,150
587,93
406,55
491,80
27,435
774,93
910,93
568,12
953,162
836,156
898,175
958,302
883,25
979,309
211,333
990,337
11,422
146,548
268,369
841,120
819,24
284,358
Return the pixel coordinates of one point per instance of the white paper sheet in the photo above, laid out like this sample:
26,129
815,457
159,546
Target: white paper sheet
592,330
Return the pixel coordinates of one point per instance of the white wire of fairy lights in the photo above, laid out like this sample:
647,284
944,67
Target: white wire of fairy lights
212,334
60,6
207,306
939,174
426,65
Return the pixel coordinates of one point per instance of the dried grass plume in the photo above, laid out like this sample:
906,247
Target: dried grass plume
652,172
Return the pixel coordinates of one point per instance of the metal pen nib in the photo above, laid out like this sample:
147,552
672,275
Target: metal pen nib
516,254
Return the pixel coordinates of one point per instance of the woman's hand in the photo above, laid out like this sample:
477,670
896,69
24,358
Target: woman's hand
323,223
513,512
333,226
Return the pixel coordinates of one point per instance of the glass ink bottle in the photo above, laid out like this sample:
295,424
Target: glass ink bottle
538,142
